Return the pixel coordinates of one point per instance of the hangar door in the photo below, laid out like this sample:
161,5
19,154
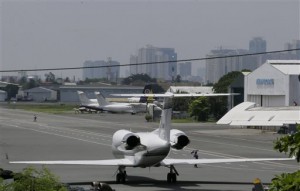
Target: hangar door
268,100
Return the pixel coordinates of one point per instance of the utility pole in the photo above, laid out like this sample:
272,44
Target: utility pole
109,69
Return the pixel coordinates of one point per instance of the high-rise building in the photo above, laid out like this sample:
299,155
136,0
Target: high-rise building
185,69
216,68
257,44
293,45
98,71
151,54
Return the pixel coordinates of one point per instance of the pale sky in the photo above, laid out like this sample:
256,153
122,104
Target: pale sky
65,33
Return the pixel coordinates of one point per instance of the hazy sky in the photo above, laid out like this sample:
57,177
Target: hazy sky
65,33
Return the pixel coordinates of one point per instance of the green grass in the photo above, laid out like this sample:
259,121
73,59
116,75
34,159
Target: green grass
191,120
186,120
45,108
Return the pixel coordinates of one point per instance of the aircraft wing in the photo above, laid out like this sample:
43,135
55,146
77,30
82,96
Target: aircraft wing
167,162
111,162
170,95
248,114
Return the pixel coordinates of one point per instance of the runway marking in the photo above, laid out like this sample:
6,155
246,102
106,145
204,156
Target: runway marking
73,131
236,168
209,135
61,135
222,155
248,147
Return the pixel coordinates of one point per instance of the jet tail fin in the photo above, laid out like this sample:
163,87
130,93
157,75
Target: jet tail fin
101,100
165,121
150,89
84,100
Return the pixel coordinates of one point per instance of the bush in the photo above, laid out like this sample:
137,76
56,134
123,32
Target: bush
148,117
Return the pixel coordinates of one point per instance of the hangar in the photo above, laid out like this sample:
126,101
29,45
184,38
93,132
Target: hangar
275,83
41,94
3,95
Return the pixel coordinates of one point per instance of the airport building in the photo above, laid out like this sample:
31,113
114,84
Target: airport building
40,94
275,83
3,95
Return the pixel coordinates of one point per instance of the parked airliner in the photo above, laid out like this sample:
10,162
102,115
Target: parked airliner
115,107
134,105
151,149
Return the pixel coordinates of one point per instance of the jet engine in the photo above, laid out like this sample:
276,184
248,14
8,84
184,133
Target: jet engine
178,139
129,139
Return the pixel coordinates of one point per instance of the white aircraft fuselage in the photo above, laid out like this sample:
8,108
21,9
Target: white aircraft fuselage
150,151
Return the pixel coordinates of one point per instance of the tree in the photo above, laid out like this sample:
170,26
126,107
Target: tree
181,103
22,80
28,83
67,79
219,104
222,85
199,108
50,77
138,77
288,181
12,91
289,144
178,79
32,179
4,186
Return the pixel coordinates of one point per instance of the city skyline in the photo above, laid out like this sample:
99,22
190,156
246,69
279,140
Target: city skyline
67,33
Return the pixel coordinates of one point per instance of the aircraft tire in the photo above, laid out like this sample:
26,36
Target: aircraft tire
169,177
174,177
123,178
118,177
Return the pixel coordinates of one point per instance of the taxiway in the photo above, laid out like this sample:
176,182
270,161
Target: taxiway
88,137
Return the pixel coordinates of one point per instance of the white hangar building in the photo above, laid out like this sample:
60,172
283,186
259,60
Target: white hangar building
275,83
41,94
3,95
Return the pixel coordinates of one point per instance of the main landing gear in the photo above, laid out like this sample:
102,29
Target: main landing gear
121,175
172,175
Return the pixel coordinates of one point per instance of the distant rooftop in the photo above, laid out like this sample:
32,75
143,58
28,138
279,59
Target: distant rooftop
291,67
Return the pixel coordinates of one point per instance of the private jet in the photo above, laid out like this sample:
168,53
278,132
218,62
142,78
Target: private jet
151,149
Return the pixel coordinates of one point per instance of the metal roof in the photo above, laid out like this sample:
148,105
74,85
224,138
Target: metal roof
38,89
248,114
291,67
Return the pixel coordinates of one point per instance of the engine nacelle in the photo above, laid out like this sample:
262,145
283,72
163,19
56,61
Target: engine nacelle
178,139
127,138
